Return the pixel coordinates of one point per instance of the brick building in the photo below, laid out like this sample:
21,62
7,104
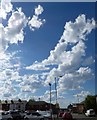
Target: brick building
13,105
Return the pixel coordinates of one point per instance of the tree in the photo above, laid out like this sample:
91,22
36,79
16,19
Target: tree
20,100
90,103
6,101
29,105
12,101
69,107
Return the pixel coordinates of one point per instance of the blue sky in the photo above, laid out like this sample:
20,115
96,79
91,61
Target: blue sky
42,41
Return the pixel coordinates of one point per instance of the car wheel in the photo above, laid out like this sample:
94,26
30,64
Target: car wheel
9,119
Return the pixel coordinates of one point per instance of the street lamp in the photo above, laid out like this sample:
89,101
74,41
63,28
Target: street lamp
56,89
50,100
78,98
50,95
56,93
57,105
56,96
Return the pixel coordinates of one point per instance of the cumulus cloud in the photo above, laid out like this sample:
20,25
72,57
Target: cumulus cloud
39,10
88,61
74,33
82,95
30,83
11,82
5,8
69,62
35,21
37,66
14,30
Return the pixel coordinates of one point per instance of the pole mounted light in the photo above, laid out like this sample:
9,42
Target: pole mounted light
50,95
50,100
56,94
56,89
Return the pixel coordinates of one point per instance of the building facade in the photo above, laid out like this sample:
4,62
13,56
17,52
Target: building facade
15,105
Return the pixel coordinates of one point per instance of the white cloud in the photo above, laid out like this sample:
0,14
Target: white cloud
73,80
14,30
30,83
88,61
37,66
73,71
35,22
39,10
69,62
5,8
82,95
11,82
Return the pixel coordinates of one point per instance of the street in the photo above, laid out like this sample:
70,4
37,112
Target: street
79,117
83,117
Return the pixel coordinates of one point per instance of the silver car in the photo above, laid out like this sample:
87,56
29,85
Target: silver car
33,116
5,115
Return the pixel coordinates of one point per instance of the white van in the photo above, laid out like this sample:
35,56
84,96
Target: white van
90,112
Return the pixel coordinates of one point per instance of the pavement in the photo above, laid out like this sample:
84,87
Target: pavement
78,117
83,117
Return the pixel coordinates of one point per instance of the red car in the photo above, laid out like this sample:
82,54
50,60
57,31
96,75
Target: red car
67,116
60,114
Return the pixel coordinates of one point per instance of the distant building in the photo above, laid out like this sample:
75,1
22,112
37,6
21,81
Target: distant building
16,105
40,105
13,105
78,108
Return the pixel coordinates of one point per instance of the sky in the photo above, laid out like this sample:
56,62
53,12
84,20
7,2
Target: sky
42,42
53,1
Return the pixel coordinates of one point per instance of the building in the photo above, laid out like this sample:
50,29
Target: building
78,108
18,105
40,105
13,105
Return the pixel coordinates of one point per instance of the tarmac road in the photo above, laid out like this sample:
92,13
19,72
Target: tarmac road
83,117
79,117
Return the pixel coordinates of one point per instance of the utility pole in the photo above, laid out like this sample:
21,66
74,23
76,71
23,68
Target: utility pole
50,101
56,89
50,95
78,98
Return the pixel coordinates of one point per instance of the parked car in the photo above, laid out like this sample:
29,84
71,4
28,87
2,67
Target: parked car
46,114
22,114
67,116
90,112
60,114
5,115
16,115
33,116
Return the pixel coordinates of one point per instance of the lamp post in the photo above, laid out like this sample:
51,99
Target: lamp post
39,103
78,98
50,101
50,95
56,94
56,89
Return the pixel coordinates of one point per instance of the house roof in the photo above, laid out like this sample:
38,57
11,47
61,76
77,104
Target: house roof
14,101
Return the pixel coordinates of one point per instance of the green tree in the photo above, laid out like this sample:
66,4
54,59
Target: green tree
90,103
29,105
